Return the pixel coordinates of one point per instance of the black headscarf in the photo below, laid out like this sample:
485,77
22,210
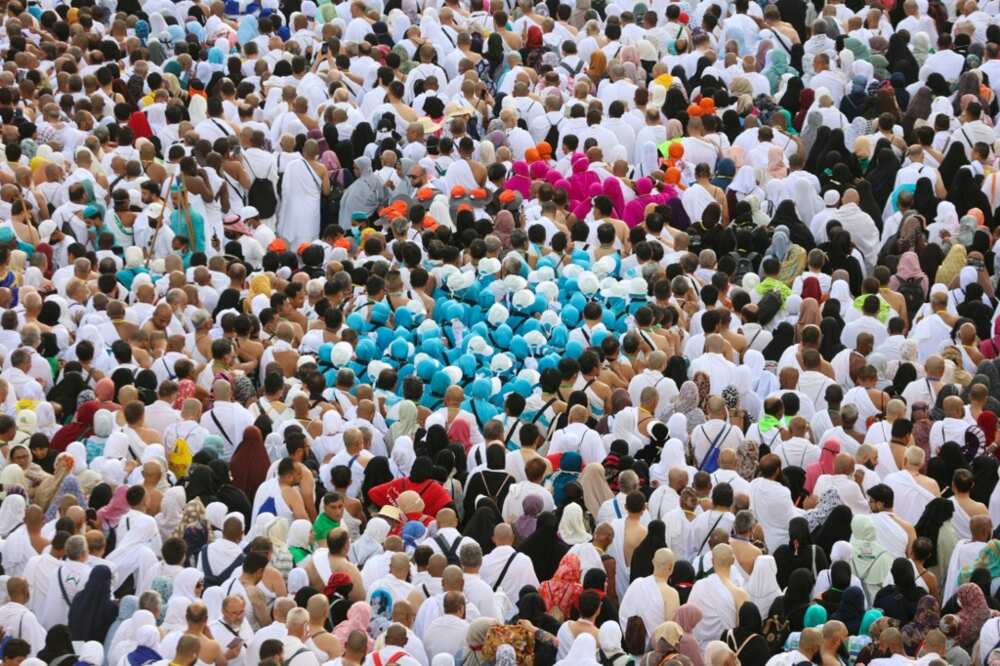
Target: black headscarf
937,512
377,472
798,553
882,173
544,546
481,524
905,374
966,192
227,493
682,579
99,496
656,538
783,338
836,527
790,101
65,393
798,232
797,597
362,137
676,370
750,644
201,484
229,299
58,643
954,159
830,344
984,473
531,607
942,467
92,612
851,609
901,59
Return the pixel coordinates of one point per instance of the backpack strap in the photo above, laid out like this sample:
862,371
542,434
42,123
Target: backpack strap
62,588
302,650
709,533
719,437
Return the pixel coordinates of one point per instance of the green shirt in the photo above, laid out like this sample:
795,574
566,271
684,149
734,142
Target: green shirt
322,526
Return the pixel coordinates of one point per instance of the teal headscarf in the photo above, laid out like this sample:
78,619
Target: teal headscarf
868,620
779,67
860,50
815,616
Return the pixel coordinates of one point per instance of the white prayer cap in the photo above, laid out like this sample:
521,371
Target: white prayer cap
588,283
501,363
454,373
535,338
530,376
497,314
477,345
341,353
375,369
549,318
45,230
831,197
514,283
133,256
573,271
603,267
548,289
545,273
154,209
489,266
523,299
425,326
938,288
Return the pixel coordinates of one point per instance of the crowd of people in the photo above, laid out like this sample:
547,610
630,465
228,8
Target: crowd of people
482,333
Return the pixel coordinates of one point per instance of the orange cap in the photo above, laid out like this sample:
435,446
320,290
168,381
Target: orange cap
425,194
278,245
673,175
676,150
478,193
457,192
464,206
707,104
532,155
342,242
695,111
507,196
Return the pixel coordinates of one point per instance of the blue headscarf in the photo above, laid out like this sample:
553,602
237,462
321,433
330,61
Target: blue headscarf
196,29
216,56
142,31
176,33
248,30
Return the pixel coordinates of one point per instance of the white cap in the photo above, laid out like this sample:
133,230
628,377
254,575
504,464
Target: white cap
489,266
248,212
497,314
523,298
501,363
341,353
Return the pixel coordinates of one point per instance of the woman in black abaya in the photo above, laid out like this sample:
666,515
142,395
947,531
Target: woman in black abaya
882,173
954,159
798,232
966,192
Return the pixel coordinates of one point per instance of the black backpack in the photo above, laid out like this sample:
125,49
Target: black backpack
552,136
768,306
744,265
912,291
261,195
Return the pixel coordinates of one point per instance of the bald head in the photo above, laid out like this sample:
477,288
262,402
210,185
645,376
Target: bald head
446,518
452,579
722,555
503,535
850,196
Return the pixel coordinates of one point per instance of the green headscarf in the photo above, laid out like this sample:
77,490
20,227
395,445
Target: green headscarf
881,66
405,64
779,67
859,49
989,559
868,620
814,617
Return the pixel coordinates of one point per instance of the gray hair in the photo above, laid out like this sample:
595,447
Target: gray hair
471,555
76,547
744,522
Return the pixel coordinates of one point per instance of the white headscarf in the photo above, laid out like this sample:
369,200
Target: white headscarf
185,583
403,455
174,619
11,514
369,543
762,586
581,653
171,509
572,529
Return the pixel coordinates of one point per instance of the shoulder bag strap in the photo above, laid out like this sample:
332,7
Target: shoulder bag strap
719,437
218,425
503,572
712,529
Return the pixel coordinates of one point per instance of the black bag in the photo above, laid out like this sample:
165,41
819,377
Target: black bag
776,630
261,195
635,636
744,265
912,291
768,306
552,136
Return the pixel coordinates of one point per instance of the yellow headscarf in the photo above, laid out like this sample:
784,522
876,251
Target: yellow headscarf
259,285
952,264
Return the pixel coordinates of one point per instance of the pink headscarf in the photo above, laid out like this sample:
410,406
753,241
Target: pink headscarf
612,189
520,181
359,615
824,465
115,510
